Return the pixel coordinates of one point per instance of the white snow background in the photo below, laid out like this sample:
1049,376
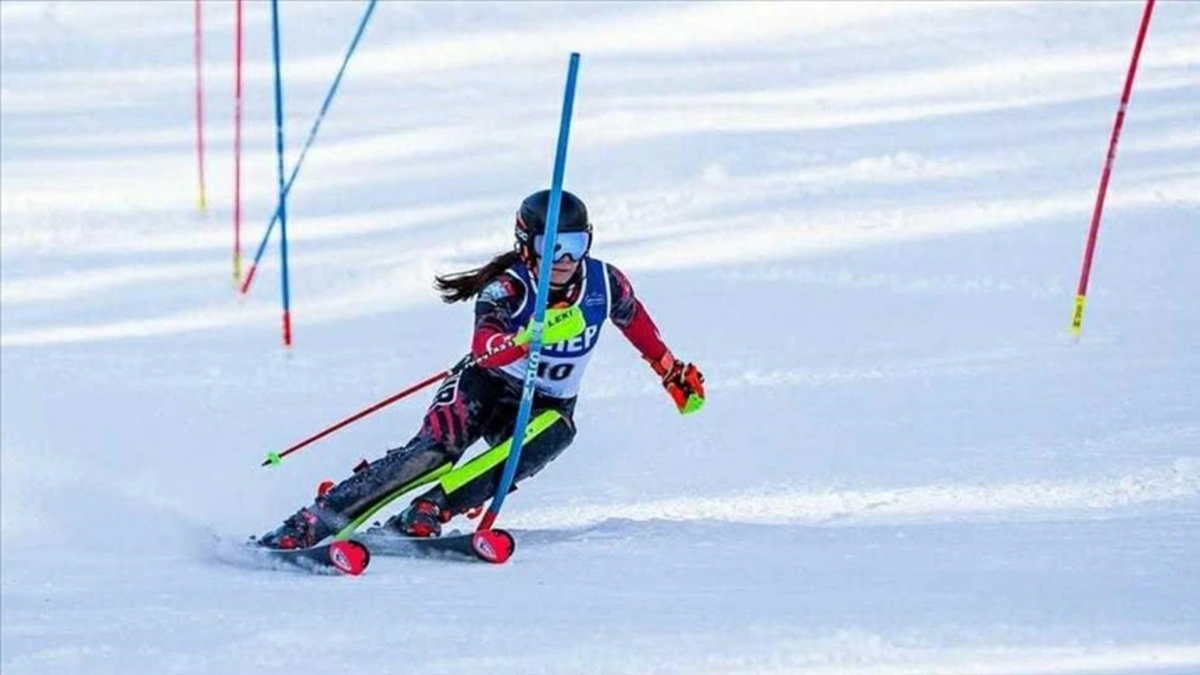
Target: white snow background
863,221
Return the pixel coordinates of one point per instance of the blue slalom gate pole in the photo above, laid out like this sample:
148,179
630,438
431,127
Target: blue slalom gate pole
312,135
539,305
282,211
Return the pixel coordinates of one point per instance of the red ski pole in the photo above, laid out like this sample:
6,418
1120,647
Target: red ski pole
274,458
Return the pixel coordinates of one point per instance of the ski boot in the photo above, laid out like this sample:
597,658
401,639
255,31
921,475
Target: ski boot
302,530
422,518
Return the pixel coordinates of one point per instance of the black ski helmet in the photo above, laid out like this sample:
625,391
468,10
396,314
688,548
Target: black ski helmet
535,209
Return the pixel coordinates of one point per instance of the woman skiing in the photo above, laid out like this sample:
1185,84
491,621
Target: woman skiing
480,400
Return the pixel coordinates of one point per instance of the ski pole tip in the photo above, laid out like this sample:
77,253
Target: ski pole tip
273,459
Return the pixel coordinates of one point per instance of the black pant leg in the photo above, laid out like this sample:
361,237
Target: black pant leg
535,455
454,420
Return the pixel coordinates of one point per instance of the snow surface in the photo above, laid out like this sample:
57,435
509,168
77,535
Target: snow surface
863,221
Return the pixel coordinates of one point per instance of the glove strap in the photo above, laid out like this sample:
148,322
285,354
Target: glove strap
663,364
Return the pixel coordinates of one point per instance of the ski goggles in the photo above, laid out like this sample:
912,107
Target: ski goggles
572,245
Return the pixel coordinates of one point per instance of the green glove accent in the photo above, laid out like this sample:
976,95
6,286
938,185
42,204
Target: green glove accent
694,403
560,325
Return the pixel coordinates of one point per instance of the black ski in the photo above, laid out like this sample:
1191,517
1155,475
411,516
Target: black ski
345,557
494,546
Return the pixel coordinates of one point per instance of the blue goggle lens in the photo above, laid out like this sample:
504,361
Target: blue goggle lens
572,245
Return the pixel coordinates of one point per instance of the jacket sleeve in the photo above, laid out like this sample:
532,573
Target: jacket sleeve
629,315
497,303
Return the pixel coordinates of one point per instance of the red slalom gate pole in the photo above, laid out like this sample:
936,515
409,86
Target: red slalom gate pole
1089,251
198,53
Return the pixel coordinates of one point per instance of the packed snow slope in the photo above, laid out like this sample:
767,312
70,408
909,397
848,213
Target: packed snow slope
863,221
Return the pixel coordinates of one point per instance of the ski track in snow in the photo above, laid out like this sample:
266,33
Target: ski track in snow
780,238
1178,482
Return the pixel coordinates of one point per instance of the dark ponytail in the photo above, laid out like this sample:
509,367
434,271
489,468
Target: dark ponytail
460,286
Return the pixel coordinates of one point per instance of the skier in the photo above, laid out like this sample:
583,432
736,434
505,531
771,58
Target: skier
480,401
